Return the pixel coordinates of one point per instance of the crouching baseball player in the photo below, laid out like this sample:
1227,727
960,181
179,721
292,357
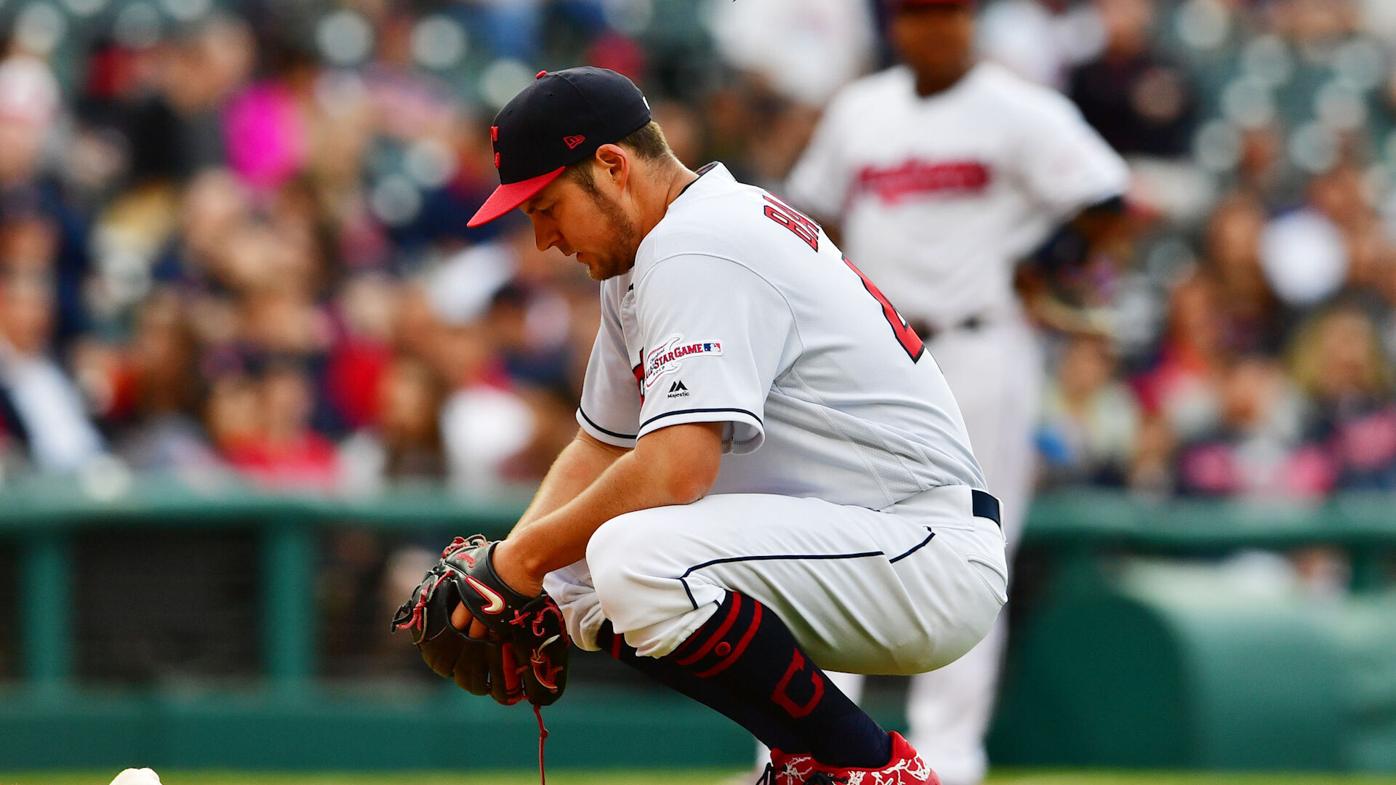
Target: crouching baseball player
771,477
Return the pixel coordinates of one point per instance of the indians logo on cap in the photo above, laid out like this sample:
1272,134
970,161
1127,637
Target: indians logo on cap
573,142
669,356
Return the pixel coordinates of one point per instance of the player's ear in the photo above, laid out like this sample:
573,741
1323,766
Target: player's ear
613,164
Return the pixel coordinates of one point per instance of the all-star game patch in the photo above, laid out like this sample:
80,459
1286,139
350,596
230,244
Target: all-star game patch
669,356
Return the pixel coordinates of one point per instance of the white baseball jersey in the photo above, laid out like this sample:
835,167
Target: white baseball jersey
740,310
1001,160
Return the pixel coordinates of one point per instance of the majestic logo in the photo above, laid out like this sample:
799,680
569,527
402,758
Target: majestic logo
678,390
495,603
670,355
573,142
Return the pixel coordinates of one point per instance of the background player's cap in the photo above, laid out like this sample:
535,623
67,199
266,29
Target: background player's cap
558,120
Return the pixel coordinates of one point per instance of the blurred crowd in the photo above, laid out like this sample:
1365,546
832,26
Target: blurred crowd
232,236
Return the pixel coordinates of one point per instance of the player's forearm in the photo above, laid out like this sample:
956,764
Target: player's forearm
560,537
677,468
576,468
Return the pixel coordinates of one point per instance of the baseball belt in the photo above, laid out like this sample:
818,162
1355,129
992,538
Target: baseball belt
929,332
984,505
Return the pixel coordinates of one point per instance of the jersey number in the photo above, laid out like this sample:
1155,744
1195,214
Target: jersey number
808,231
905,336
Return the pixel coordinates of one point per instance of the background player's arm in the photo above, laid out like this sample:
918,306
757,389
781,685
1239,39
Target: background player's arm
1100,232
576,468
818,183
1070,172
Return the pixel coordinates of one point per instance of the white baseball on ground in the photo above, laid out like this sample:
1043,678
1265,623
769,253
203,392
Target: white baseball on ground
137,777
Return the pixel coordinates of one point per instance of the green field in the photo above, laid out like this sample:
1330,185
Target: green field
717,777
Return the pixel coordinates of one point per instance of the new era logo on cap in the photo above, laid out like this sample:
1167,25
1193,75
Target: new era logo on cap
583,107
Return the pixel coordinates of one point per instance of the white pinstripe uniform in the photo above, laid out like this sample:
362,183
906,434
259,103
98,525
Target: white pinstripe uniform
846,498
939,198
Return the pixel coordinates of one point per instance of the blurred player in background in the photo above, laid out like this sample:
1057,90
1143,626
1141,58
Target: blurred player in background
942,174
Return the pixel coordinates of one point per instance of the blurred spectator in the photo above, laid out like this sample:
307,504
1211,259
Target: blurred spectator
405,445
213,205
1253,449
1135,95
364,318
485,421
1314,22
1040,40
1252,319
230,413
167,391
30,103
1306,253
1181,387
172,126
510,28
268,435
1262,168
52,236
1090,420
279,258
803,50
1338,361
150,395
39,404
268,124
1379,19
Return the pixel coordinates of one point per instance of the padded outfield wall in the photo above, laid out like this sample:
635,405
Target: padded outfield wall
182,626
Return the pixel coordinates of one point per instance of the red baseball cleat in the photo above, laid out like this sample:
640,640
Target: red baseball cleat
904,768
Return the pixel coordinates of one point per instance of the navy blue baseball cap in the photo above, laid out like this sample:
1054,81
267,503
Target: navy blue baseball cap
558,120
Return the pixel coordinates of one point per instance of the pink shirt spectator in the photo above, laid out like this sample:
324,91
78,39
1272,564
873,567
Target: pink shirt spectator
266,136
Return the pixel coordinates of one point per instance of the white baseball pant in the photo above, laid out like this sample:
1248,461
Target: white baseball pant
996,375
887,592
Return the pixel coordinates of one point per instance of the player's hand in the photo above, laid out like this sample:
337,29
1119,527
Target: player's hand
463,621
510,570
473,626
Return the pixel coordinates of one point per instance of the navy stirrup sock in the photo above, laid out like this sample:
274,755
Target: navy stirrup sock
749,715
745,650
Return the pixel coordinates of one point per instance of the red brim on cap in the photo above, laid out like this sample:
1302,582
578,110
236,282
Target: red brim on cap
510,195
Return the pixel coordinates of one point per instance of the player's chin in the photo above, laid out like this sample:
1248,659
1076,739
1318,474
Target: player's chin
597,269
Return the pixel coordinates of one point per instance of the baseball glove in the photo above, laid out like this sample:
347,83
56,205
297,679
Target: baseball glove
524,655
